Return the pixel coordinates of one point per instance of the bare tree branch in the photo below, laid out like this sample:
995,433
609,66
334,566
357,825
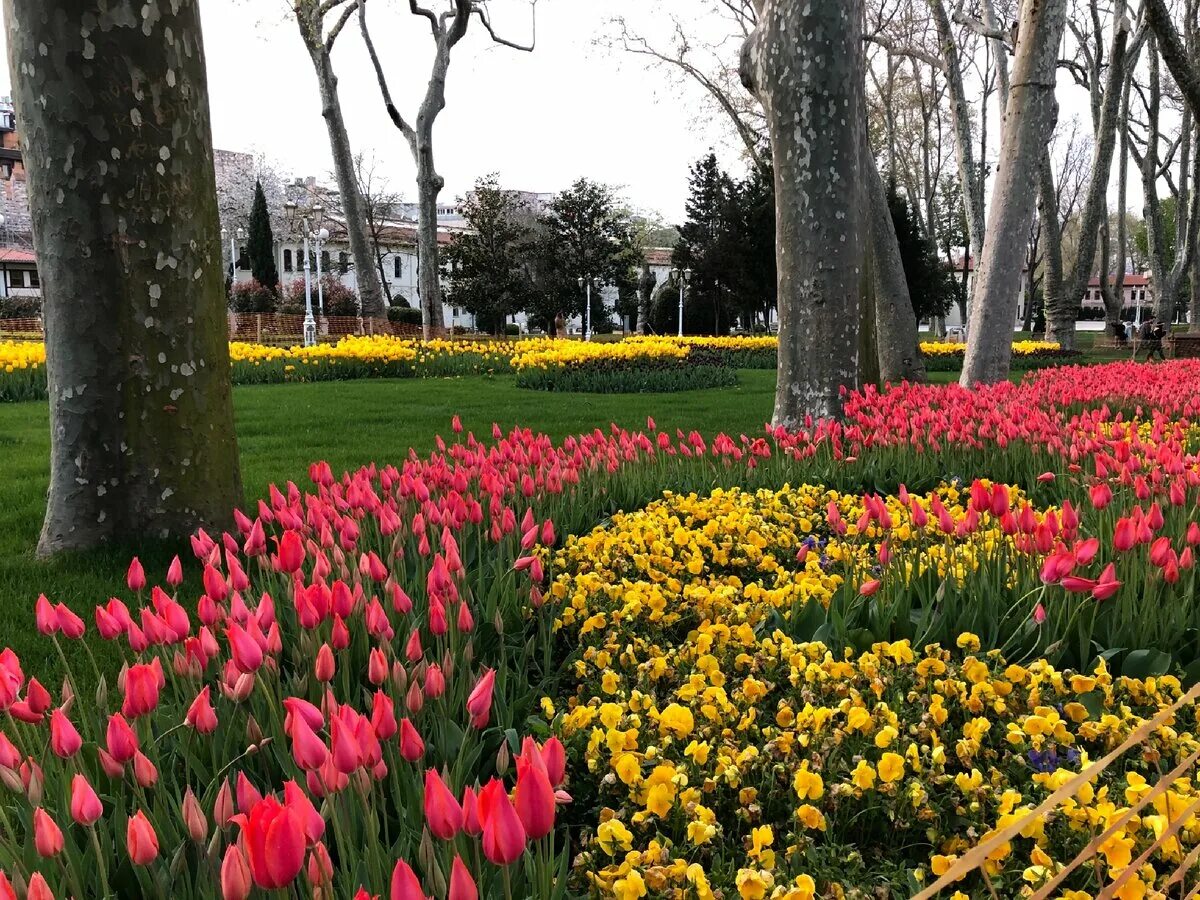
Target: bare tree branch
486,19
340,24
418,10
912,52
393,113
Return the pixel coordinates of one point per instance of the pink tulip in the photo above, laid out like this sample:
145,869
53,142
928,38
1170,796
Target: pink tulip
442,811
412,747
141,692
141,840
274,839
479,703
325,666
201,715
85,804
462,884
194,819
121,740
64,738
47,836
236,881
405,884
503,833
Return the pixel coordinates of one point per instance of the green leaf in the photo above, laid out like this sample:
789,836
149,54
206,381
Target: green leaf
1093,702
1146,664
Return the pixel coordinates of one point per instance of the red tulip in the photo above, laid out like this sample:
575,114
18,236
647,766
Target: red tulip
7,892
345,751
274,839
136,576
435,681
442,811
200,714
383,716
1124,535
38,889
325,666
296,800
121,740
462,885
479,703
867,588
412,747
47,836
144,772
175,573
470,808
555,758
45,616
245,651
141,692
235,875
1107,585
141,840
85,805
534,798
64,739
377,667
248,795
320,866
405,884
291,552
503,833
308,750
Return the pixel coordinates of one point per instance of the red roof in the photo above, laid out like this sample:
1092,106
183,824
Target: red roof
13,255
1130,281
658,256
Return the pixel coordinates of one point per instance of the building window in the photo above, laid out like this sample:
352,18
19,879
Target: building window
396,265
343,263
34,280
454,312
325,267
287,260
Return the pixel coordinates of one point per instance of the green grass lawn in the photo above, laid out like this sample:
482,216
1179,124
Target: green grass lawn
282,428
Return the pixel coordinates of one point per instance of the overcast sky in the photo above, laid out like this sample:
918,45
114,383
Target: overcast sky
572,108
540,120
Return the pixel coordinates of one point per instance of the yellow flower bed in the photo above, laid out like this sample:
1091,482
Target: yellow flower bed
554,354
731,342
1019,348
726,757
17,356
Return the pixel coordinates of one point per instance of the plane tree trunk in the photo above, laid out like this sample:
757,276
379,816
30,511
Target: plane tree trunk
118,148
804,62
1028,123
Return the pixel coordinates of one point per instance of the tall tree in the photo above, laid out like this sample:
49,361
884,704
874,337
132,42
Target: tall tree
312,17
487,265
705,244
118,148
1028,122
583,233
261,246
381,208
804,62
1105,90
930,283
448,29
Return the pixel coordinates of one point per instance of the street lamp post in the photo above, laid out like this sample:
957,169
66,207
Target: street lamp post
238,235
683,278
318,235
310,323
586,282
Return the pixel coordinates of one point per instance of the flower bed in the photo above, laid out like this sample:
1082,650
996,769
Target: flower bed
940,356
637,364
789,677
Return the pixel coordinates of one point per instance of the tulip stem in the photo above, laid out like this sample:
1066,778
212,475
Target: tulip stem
100,860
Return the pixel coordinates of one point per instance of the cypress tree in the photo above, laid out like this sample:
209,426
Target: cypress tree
261,247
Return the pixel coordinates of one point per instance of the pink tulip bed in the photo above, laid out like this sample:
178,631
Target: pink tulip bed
526,669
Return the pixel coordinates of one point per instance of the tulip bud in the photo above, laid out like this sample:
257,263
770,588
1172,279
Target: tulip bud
503,757
399,677
144,771
235,875
194,818
12,780
254,732
415,699
223,806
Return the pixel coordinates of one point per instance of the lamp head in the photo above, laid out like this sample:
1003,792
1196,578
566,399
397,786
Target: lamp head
580,280
323,234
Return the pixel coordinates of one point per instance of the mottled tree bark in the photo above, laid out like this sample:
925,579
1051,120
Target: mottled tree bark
805,64
1028,122
1113,292
115,129
960,112
1060,318
310,17
896,338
